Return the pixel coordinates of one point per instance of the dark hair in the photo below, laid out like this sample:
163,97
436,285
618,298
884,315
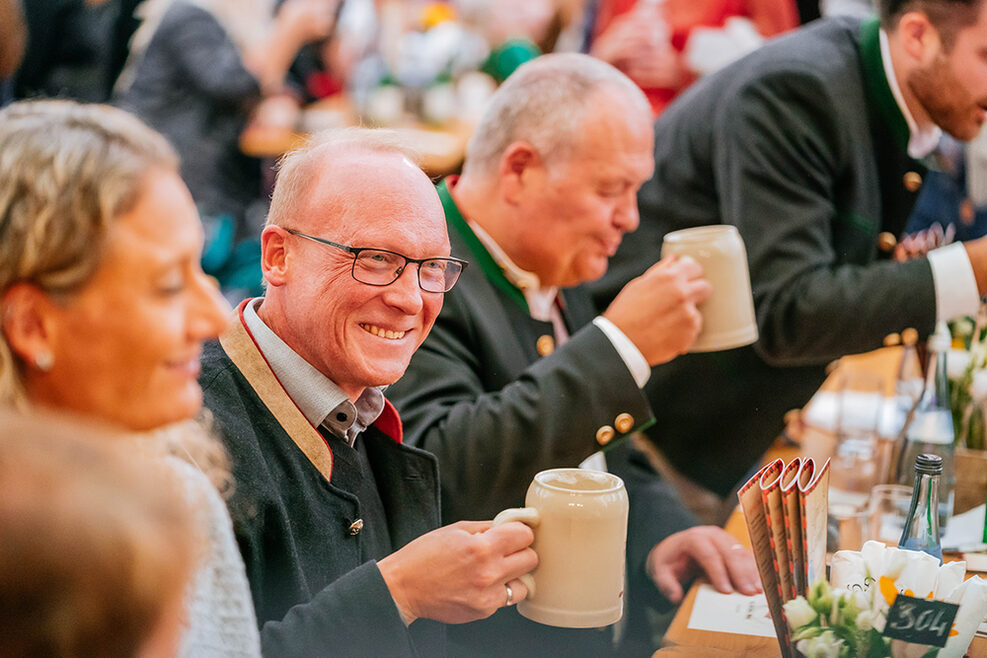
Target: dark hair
948,16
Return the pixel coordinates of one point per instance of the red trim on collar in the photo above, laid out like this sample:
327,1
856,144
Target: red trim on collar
389,422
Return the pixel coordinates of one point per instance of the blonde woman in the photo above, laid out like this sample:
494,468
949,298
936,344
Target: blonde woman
104,309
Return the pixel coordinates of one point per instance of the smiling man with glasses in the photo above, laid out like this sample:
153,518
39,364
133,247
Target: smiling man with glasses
334,515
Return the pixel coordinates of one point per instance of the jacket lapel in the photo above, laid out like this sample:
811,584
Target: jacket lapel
243,352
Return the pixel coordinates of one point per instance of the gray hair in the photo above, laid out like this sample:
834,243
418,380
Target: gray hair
299,169
544,103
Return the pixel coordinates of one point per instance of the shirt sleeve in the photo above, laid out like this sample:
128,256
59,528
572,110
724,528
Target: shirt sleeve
628,351
955,284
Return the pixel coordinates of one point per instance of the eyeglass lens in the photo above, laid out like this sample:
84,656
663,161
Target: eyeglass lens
382,268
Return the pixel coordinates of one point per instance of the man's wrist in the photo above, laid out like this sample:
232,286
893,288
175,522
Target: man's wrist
636,364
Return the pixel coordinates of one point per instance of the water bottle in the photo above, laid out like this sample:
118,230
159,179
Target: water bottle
921,532
930,428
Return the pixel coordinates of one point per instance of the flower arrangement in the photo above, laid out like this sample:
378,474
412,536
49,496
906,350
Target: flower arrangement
831,623
847,619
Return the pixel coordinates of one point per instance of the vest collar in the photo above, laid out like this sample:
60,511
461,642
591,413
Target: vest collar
242,350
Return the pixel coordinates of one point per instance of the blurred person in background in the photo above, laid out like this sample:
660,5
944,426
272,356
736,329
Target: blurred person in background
97,545
104,309
62,50
816,148
11,46
197,71
665,45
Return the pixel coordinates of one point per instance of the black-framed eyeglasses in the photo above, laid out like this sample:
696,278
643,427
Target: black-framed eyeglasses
380,267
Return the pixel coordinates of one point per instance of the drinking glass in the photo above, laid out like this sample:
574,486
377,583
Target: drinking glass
887,512
857,463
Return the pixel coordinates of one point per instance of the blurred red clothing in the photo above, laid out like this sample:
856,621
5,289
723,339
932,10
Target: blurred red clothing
770,17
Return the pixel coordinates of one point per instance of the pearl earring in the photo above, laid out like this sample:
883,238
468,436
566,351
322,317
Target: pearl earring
44,361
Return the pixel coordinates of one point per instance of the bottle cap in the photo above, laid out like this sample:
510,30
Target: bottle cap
926,464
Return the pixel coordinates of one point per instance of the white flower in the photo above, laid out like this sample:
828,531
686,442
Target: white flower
957,362
978,386
865,620
799,613
825,645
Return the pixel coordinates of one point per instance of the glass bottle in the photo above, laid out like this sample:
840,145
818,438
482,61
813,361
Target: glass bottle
921,532
930,426
909,383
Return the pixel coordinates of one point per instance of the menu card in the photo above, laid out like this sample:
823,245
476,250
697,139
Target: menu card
785,508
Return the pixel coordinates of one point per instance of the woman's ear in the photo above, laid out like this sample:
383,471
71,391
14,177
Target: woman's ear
28,322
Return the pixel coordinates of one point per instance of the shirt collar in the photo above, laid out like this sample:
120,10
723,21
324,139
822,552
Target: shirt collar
540,300
317,397
922,141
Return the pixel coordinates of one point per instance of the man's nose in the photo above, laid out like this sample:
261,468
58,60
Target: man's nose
626,216
405,293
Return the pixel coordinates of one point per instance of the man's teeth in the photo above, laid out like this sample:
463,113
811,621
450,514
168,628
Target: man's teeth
383,333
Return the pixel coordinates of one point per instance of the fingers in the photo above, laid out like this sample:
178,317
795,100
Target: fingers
519,591
705,548
509,537
667,583
740,564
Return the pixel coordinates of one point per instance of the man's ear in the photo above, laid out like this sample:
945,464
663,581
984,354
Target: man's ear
520,168
273,255
919,37
28,323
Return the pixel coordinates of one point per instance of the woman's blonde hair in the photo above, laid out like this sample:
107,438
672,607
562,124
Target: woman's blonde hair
97,542
67,170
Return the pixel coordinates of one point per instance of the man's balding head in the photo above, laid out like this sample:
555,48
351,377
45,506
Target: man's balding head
357,188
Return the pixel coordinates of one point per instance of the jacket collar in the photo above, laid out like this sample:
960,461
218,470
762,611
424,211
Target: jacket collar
878,89
242,350
482,257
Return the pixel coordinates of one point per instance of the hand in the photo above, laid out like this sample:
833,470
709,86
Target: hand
678,558
458,573
657,310
638,45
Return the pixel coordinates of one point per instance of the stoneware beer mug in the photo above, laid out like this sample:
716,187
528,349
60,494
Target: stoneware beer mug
728,315
579,519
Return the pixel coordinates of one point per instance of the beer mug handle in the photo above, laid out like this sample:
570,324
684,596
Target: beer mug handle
528,516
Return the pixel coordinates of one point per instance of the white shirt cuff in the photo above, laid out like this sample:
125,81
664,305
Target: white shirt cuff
955,285
632,357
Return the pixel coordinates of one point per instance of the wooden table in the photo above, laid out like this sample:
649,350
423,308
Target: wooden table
441,148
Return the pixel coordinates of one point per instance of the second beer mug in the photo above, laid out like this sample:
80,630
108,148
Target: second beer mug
728,315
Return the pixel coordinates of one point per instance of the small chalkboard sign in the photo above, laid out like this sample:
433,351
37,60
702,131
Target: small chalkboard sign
920,621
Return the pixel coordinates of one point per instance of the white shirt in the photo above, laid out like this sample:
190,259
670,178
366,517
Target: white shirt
952,273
